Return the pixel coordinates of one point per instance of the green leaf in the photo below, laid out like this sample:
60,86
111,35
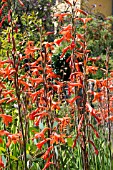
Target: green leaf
13,157
2,149
29,157
69,142
56,151
57,111
32,129
37,160
35,166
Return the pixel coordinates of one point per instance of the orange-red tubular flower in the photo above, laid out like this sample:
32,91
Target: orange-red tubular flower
56,138
4,132
40,144
45,155
6,119
41,134
14,138
95,149
47,165
20,2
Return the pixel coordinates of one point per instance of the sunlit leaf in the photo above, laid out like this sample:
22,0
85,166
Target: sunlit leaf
69,142
13,157
2,149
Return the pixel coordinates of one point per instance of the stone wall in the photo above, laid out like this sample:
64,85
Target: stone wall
98,6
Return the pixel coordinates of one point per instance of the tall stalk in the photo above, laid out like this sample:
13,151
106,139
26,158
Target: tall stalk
84,112
108,106
17,92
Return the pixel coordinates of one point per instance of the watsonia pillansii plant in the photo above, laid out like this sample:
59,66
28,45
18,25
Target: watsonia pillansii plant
40,127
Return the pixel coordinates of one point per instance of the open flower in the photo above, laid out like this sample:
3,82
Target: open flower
14,138
6,119
40,144
56,138
41,134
